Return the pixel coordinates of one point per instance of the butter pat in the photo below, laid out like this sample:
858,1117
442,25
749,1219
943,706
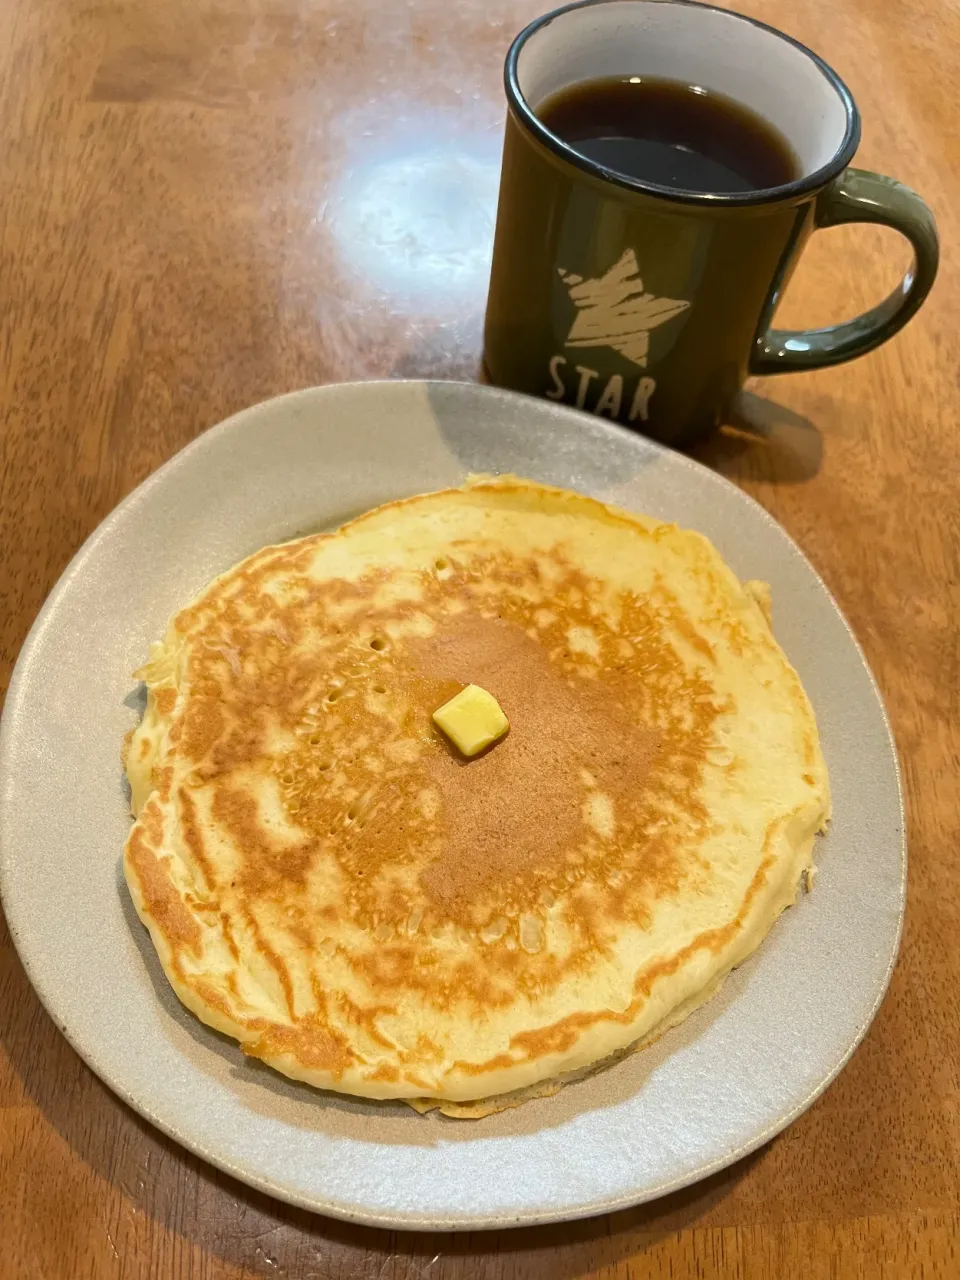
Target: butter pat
472,720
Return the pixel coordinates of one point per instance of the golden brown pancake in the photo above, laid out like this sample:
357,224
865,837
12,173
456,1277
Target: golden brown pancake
328,881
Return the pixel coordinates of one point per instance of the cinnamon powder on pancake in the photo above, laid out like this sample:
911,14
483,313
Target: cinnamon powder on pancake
518,809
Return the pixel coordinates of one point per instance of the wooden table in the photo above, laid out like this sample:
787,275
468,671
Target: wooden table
203,204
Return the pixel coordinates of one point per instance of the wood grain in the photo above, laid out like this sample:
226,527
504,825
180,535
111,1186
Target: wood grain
202,204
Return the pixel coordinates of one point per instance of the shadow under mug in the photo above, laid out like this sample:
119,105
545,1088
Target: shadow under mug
651,305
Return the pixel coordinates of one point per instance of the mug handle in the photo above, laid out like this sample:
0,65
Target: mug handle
858,196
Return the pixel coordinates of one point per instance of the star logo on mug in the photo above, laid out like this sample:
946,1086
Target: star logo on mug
615,311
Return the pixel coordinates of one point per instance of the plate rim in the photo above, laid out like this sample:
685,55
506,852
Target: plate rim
456,1222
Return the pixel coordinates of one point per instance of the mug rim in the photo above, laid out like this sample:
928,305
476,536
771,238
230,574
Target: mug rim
728,199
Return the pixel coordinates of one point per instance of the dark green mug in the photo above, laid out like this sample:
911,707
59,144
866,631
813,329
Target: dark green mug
651,305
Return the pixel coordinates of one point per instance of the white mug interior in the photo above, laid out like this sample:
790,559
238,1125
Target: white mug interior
712,49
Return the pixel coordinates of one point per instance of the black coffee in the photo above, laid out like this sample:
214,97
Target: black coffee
671,134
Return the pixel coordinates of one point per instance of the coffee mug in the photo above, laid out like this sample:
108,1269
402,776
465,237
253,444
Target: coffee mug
651,305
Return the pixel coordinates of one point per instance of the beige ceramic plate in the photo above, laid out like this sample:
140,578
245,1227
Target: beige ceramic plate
710,1091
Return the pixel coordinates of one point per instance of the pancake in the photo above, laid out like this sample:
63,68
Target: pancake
327,881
